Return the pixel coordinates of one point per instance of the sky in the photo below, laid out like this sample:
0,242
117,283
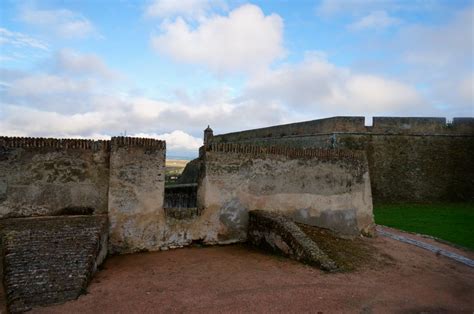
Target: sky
166,68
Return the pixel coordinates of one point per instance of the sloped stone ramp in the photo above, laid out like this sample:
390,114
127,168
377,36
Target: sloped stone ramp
278,233
49,260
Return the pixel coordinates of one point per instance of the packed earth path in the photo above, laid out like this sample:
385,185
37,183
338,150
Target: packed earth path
237,278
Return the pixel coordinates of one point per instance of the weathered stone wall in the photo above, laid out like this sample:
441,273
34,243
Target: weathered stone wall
191,172
335,124
49,260
410,159
136,193
412,168
325,188
276,232
52,176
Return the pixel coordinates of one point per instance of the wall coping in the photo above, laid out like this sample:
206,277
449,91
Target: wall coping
85,144
126,141
62,143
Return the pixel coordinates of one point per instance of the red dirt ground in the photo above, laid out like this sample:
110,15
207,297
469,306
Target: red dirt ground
239,279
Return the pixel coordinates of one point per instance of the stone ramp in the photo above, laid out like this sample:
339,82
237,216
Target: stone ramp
276,232
49,260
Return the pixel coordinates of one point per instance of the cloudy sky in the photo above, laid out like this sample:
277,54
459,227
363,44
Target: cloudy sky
168,68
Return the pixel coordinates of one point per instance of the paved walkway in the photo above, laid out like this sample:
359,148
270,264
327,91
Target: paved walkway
430,247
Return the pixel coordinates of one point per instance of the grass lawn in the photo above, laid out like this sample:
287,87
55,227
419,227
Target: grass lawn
450,222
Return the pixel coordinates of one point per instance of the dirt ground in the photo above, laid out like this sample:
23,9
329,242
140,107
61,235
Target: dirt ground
237,278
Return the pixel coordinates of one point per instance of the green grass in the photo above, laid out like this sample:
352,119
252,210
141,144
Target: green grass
450,222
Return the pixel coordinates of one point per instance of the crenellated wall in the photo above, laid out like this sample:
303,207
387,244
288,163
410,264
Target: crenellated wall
321,187
125,178
410,159
384,125
44,176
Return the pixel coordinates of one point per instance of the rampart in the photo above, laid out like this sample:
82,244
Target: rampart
410,159
119,186
124,177
320,187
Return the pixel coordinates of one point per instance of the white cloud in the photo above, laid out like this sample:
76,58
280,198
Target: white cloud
22,121
189,9
321,88
176,140
40,84
376,19
20,40
440,58
65,83
72,62
245,40
62,22
466,91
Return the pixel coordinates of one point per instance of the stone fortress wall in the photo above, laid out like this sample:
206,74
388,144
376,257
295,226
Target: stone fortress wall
410,159
320,187
124,178
315,172
52,176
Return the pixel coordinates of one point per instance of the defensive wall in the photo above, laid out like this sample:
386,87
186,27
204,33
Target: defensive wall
124,178
48,176
320,187
65,203
410,159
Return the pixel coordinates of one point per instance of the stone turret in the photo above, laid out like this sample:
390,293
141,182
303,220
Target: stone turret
208,135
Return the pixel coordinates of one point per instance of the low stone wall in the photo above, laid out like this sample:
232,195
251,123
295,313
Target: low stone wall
49,260
273,231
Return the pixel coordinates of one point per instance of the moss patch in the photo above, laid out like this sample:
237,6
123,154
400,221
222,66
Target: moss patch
349,254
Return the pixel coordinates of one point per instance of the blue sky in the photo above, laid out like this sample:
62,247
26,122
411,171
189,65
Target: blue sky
167,69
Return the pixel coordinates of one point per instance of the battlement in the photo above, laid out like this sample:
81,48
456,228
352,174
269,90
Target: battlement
124,141
40,142
384,125
87,144
320,153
